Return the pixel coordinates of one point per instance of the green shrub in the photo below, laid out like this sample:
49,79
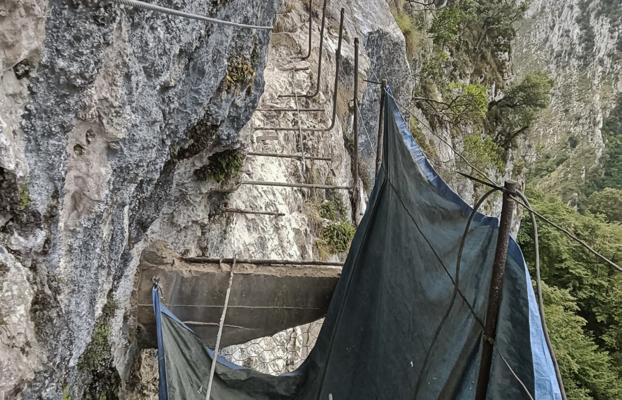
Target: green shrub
449,22
595,290
469,102
221,166
332,209
336,237
513,114
588,372
607,202
239,72
484,152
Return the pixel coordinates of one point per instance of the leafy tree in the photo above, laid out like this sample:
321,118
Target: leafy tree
588,372
478,35
566,265
497,19
468,103
607,202
449,22
483,151
513,114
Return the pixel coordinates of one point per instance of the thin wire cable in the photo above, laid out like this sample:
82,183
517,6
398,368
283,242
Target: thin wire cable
548,221
536,245
553,224
219,336
358,110
170,11
378,80
572,236
456,286
507,364
442,139
457,289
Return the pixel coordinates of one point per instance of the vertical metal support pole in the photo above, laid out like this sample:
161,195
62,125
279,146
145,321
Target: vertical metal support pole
496,288
301,140
355,133
337,68
335,91
383,88
310,30
319,61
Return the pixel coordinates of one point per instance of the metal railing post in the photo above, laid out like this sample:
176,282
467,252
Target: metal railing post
319,62
355,132
383,88
335,89
310,30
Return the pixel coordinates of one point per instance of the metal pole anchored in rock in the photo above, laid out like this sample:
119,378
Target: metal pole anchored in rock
383,88
355,133
319,61
335,90
496,288
310,31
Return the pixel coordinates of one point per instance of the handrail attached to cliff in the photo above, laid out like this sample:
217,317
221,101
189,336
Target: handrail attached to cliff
170,11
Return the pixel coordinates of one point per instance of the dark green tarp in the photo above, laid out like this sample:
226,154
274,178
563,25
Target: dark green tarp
385,335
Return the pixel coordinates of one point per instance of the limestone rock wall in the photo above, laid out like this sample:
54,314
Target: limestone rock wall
108,116
98,106
579,43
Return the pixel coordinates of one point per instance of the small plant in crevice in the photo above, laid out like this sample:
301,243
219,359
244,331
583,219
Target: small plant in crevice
66,393
202,134
240,72
24,197
97,362
335,237
332,209
222,166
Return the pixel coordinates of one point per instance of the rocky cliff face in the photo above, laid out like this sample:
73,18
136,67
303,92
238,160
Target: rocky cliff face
111,122
579,43
99,107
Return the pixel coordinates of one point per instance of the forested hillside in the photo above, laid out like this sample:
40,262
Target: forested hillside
530,91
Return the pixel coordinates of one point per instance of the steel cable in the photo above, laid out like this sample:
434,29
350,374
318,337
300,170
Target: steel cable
170,11
536,245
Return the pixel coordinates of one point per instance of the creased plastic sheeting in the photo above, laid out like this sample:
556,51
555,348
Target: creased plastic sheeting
546,385
393,330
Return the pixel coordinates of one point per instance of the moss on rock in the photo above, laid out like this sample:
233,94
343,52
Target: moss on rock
96,362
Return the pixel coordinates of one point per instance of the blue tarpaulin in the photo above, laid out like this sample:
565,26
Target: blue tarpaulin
393,330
